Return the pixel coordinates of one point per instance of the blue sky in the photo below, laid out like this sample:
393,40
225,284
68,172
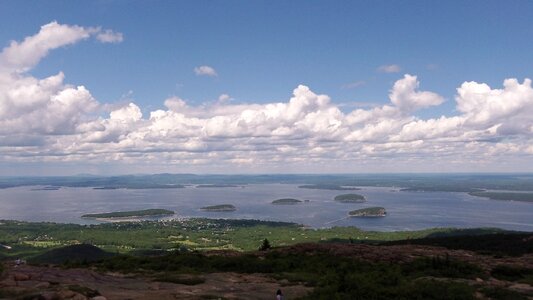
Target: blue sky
262,50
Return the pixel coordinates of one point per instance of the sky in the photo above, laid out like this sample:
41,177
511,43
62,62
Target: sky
126,87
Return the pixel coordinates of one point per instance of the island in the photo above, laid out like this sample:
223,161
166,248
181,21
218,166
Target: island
219,208
350,198
216,185
506,196
333,187
131,214
286,201
47,188
368,212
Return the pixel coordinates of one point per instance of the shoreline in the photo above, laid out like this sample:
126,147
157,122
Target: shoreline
127,219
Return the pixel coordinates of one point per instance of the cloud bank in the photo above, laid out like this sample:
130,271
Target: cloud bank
47,120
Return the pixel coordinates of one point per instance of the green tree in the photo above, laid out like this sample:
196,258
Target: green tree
265,245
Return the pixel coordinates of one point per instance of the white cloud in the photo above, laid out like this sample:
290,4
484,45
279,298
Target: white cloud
404,95
50,121
43,106
205,71
224,98
109,36
22,56
389,69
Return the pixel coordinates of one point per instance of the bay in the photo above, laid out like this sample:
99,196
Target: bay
406,210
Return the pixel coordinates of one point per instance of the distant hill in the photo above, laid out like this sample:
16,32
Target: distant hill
73,253
411,182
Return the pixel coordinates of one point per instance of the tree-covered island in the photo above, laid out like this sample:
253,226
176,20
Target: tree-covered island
368,212
286,201
350,198
219,208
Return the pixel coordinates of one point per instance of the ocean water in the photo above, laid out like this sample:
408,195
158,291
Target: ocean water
406,210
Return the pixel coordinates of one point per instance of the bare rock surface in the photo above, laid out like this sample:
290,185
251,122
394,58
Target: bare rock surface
56,283
41,282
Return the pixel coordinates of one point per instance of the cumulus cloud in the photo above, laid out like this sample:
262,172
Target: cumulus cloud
224,98
52,121
43,106
405,95
21,56
389,69
205,71
109,36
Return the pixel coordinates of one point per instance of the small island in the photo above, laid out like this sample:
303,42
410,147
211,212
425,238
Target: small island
219,208
47,188
350,198
331,187
368,212
286,201
130,214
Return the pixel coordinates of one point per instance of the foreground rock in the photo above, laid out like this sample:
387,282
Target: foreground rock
38,282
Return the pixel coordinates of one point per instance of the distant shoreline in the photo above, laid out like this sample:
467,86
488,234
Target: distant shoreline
132,214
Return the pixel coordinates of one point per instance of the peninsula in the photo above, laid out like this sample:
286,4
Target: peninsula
506,196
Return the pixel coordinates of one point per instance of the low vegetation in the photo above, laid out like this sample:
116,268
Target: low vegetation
492,242
28,239
166,251
333,277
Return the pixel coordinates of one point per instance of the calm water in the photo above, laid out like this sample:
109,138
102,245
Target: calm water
406,210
